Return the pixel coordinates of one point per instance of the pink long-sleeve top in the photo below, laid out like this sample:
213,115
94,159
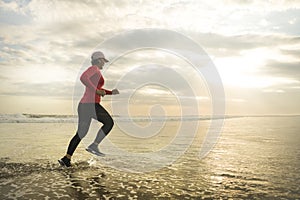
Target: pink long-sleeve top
93,81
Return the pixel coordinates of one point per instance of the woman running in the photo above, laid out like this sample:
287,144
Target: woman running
89,108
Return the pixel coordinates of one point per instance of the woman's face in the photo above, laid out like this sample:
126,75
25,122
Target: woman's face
101,63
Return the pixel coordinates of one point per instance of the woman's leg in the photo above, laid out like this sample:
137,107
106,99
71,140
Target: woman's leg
104,117
83,128
85,113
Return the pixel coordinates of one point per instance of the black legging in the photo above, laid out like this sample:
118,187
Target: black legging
87,112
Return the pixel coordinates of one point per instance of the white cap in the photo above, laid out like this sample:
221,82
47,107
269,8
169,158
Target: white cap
97,55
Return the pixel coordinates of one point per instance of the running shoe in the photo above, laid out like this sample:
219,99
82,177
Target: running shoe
94,150
65,162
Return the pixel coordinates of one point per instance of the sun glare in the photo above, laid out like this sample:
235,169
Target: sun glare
246,70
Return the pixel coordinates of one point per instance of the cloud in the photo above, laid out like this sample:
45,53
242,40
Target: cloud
56,89
79,24
13,18
222,45
40,41
273,5
287,21
283,69
291,52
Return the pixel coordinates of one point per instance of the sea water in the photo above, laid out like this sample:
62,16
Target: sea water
254,158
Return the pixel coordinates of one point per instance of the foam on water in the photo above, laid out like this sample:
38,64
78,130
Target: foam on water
45,180
30,118
35,118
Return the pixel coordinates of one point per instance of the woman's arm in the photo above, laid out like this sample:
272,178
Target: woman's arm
86,79
90,74
111,92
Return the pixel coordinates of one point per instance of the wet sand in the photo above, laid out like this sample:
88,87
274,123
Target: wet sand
254,158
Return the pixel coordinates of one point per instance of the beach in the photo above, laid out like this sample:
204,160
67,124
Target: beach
254,158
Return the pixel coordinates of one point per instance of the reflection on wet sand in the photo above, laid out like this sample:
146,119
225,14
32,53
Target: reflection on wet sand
246,164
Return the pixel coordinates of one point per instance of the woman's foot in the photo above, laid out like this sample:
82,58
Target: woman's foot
65,162
94,150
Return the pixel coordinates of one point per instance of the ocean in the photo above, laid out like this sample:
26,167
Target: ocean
255,157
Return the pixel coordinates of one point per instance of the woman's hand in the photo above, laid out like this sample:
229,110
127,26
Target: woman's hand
101,92
115,91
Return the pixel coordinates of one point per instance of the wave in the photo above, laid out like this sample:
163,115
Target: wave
39,118
34,118
48,118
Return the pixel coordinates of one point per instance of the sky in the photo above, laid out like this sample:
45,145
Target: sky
253,44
